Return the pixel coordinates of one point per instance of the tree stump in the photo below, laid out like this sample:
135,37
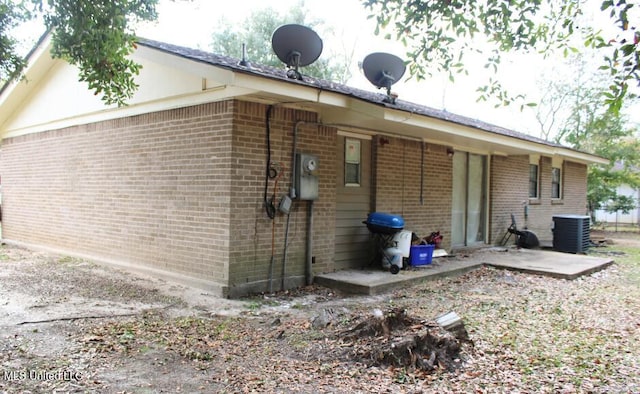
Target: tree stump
394,338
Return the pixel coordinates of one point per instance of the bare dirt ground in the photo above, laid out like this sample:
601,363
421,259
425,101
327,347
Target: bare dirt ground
68,325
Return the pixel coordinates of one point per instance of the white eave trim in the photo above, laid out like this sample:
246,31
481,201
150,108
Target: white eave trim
472,133
16,91
41,65
579,157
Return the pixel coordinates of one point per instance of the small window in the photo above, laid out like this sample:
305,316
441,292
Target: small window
556,183
533,180
352,158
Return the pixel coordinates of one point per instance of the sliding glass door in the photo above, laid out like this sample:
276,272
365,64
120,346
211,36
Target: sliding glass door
468,217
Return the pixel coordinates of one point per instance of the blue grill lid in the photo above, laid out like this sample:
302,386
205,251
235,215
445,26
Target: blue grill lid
385,220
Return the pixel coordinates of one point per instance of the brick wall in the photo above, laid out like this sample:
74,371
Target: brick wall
181,191
510,189
148,190
251,229
509,192
574,201
397,169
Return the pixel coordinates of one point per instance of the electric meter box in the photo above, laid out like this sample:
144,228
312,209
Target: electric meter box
306,181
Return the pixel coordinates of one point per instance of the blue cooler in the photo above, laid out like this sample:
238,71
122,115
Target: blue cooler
384,223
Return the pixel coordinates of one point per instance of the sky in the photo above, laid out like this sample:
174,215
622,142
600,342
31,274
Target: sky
190,23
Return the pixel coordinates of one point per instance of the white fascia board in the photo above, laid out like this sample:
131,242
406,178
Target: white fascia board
494,139
579,157
293,92
465,132
42,61
19,89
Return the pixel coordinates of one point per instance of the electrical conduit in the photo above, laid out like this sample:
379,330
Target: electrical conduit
293,194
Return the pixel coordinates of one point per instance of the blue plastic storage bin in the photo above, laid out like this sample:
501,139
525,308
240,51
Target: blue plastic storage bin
421,255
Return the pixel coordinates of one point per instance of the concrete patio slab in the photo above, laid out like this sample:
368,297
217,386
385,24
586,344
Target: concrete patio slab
540,262
544,262
375,281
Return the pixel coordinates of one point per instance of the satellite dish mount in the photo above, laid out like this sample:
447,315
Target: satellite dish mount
293,63
383,70
387,80
296,46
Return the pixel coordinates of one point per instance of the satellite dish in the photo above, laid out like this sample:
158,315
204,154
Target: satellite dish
383,70
296,46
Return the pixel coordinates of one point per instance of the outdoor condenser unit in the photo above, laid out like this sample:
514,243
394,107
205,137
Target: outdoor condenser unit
571,233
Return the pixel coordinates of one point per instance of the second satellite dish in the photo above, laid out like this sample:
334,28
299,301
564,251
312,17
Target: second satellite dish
296,46
383,70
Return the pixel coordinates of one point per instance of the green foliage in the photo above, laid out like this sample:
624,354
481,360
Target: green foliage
10,16
621,203
256,32
440,34
590,128
605,135
602,182
94,35
571,112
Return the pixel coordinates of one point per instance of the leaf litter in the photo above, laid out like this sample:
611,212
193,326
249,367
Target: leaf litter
525,333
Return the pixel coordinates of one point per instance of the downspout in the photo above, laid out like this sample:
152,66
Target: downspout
293,194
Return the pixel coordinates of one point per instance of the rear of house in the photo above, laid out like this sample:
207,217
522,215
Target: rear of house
189,181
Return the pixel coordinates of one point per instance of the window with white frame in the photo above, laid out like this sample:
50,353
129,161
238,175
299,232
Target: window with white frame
556,183
352,159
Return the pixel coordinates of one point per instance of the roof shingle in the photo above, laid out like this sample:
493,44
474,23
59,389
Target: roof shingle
372,97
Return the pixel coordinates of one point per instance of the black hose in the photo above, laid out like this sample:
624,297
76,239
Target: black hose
270,208
269,205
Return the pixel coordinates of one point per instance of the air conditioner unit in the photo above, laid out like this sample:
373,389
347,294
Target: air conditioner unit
571,233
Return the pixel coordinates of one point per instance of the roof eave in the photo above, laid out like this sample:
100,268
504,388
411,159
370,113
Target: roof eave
13,93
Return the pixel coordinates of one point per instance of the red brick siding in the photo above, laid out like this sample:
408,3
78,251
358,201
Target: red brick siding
150,190
397,172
